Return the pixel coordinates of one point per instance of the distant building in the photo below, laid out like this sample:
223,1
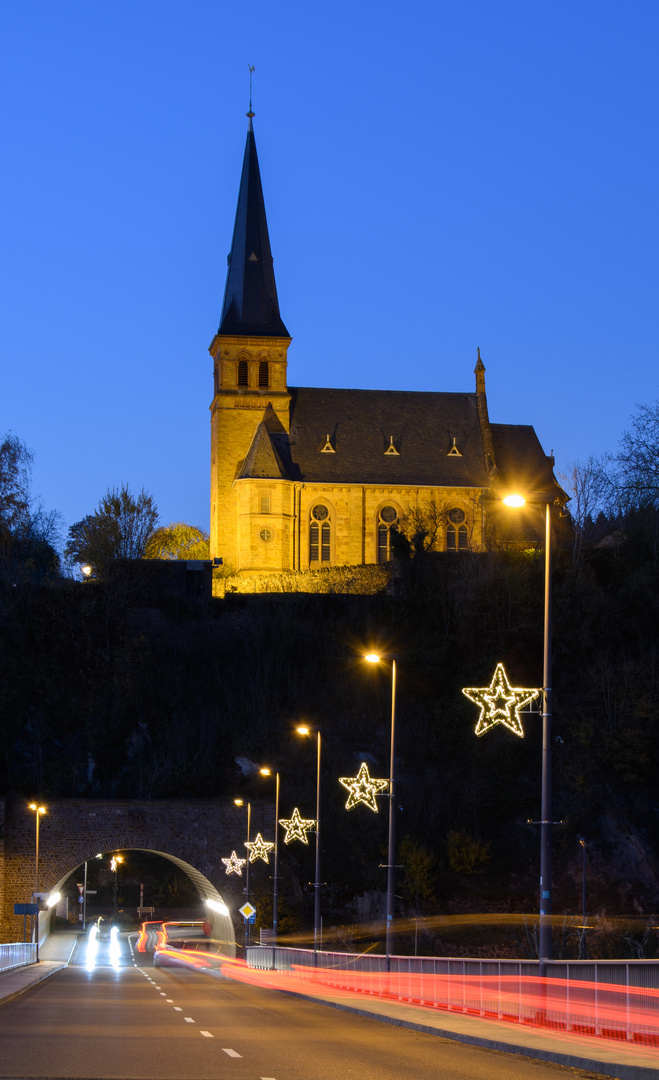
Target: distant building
304,477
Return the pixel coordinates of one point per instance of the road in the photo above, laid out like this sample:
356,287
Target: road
124,1022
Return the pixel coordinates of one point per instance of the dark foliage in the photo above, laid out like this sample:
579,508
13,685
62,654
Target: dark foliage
106,693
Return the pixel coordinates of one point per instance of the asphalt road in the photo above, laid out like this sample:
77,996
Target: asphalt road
158,1024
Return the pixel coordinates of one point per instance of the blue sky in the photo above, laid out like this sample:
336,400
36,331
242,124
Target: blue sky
438,176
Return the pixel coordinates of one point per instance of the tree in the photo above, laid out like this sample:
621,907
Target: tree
118,529
586,484
634,472
15,473
177,541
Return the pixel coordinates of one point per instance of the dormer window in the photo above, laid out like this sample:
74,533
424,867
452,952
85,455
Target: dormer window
243,373
264,374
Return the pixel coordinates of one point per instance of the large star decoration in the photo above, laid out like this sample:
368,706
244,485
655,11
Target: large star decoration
363,788
297,827
234,865
500,703
258,848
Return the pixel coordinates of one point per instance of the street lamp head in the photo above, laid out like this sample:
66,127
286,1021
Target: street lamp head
514,499
238,802
373,658
39,809
303,730
265,771
86,570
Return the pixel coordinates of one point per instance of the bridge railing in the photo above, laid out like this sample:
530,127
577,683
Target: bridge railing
612,999
17,954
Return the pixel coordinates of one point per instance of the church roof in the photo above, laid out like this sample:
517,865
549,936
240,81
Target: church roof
388,437
262,461
251,307
521,461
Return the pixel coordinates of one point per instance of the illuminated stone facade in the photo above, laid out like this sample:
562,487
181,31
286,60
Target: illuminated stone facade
309,478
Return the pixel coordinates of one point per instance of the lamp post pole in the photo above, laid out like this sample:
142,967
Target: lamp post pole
391,847
582,940
317,935
374,658
545,936
38,811
240,802
317,944
275,891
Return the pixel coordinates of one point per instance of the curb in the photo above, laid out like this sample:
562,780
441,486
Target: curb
6,998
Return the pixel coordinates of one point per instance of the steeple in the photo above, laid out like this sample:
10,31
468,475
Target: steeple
250,307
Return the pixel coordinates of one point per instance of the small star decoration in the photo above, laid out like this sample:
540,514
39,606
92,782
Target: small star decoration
297,827
233,864
500,703
363,788
259,848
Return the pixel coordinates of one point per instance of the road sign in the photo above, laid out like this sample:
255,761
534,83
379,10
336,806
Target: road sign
247,910
26,909
252,919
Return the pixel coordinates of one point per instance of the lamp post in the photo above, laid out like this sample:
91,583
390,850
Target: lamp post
239,802
582,937
375,658
317,942
114,865
38,811
275,888
545,937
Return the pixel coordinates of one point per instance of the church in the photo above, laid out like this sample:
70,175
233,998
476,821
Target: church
304,478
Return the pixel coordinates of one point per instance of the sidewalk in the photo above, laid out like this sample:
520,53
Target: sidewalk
607,1057
53,956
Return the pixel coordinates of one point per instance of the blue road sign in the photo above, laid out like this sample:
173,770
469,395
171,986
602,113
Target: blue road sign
26,909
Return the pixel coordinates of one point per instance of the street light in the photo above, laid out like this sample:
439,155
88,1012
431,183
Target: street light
275,890
240,802
544,939
375,658
38,811
582,936
114,865
317,942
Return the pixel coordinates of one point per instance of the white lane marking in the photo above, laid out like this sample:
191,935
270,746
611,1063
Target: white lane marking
188,1020
169,1001
177,1008
163,994
157,987
207,1034
231,1053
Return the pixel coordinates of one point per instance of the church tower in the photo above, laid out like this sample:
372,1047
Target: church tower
251,399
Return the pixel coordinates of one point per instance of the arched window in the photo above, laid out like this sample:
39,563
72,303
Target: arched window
243,375
264,374
457,538
320,535
387,521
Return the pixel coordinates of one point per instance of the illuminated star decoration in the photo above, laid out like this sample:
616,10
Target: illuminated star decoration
297,827
234,865
500,703
259,848
363,788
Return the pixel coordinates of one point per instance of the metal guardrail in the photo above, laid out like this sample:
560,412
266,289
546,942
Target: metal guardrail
613,999
17,954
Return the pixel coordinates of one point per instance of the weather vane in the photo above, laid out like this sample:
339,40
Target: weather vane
251,69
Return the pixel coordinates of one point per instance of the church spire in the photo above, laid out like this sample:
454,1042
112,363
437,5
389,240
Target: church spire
250,307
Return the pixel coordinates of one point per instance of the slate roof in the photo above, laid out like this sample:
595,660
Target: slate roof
360,424
262,461
520,459
251,307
